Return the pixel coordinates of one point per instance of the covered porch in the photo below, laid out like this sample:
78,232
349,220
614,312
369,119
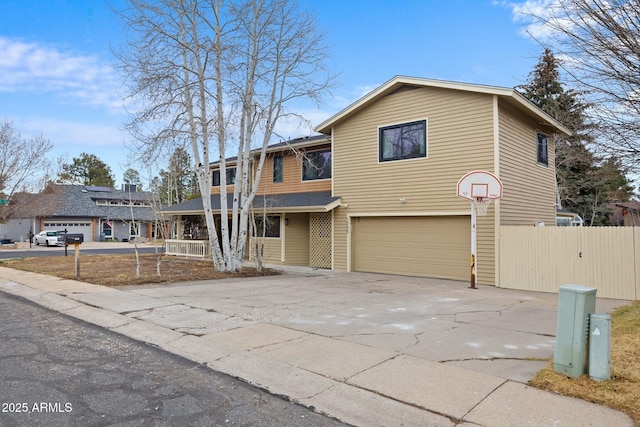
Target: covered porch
297,229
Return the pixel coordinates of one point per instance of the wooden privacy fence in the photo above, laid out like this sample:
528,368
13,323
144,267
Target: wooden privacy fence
545,258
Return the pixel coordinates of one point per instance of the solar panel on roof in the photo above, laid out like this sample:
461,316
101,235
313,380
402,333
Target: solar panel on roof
97,189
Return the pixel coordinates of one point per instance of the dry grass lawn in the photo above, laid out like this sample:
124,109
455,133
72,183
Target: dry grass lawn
622,392
117,270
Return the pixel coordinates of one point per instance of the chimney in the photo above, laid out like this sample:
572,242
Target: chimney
129,188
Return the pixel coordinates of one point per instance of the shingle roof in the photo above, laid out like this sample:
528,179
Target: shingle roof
80,201
629,205
301,143
318,201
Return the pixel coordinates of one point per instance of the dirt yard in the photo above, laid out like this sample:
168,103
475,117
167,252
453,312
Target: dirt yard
117,270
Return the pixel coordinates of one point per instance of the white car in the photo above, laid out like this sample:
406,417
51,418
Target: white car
49,238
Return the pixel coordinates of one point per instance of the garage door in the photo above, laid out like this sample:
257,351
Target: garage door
72,226
414,246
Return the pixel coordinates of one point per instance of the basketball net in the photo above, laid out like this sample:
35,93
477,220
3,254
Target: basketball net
481,205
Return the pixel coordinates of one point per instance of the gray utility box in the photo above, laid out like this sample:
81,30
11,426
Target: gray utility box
575,303
74,238
600,347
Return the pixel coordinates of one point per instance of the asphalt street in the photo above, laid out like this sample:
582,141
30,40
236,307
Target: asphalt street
56,370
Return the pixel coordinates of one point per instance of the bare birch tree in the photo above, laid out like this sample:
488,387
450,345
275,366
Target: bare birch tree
24,168
18,156
598,45
135,227
220,74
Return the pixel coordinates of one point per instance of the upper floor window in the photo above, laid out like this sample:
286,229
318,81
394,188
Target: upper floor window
404,141
543,149
278,171
316,165
102,202
231,177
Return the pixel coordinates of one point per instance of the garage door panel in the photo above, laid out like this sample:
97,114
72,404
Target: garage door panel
72,226
416,246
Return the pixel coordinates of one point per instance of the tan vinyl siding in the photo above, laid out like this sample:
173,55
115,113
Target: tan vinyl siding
459,139
341,225
292,176
216,190
297,239
528,188
272,249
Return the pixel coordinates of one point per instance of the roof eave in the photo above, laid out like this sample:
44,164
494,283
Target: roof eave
394,83
288,209
279,148
547,120
397,81
299,145
185,212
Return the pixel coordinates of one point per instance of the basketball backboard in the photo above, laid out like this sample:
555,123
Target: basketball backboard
479,185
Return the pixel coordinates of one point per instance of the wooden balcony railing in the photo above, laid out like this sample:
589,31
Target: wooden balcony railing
187,248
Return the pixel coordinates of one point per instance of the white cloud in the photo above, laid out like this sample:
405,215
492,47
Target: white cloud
532,15
71,138
292,127
72,134
32,67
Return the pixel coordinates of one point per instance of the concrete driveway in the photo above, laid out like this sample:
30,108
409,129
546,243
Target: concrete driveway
501,332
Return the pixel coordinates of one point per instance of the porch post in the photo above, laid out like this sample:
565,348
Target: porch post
179,228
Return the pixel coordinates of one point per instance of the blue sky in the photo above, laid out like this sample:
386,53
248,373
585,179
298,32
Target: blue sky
57,77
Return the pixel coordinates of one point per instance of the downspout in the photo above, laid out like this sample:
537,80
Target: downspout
496,210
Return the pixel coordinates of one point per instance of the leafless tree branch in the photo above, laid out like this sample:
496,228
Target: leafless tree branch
598,44
219,74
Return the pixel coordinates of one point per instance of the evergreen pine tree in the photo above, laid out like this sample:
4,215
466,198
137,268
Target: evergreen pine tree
87,169
585,183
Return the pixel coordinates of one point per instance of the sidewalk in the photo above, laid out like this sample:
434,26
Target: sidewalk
370,350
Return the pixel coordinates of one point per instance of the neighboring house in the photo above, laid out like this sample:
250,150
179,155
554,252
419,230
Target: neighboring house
98,213
389,201
625,213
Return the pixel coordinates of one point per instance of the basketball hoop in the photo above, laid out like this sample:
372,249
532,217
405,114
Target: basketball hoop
481,205
480,187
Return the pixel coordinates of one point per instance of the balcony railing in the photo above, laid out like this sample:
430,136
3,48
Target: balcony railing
187,248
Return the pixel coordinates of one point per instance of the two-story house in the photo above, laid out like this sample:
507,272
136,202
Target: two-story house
398,154
385,173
